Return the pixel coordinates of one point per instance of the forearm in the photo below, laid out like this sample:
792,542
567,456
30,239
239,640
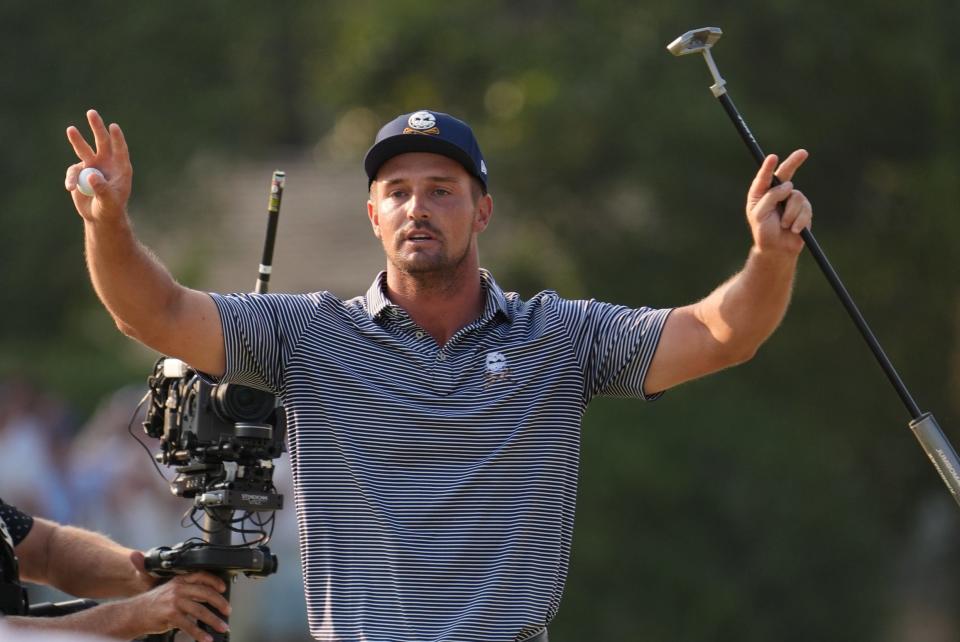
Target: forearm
88,564
145,301
114,620
745,310
133,285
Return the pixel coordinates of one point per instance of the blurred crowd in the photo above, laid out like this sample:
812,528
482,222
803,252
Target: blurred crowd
94,474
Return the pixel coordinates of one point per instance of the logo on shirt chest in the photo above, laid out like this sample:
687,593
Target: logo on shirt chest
497,368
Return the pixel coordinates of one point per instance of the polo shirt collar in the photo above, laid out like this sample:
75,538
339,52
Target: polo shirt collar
496,301
378,302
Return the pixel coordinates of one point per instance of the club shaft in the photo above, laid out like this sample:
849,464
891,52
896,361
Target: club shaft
832,277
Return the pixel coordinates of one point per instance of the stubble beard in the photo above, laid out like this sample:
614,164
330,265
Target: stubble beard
433,270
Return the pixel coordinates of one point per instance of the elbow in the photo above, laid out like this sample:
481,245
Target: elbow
735,355
744,355
734,347
125,329
150,327
140,335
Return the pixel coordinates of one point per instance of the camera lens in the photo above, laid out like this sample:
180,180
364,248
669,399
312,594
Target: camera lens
233,403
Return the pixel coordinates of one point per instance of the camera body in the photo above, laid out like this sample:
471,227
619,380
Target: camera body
222,438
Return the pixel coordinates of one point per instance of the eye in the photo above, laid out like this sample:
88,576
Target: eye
441,191
397,193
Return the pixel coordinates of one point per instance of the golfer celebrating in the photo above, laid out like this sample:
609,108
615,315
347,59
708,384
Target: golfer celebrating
434,421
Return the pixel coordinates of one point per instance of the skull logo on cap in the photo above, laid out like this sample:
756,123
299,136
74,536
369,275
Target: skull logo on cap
422,120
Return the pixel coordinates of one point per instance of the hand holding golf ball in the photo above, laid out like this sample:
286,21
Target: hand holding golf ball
105,164
83,181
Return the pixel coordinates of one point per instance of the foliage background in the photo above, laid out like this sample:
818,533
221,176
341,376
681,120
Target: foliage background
784,499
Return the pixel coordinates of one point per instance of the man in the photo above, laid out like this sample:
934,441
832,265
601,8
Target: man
88,564
434,422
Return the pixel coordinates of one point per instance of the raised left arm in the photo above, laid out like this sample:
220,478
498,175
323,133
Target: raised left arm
729,325
81,562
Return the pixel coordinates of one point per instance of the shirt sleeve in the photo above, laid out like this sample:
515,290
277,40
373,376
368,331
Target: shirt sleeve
614,345
18,523
261,333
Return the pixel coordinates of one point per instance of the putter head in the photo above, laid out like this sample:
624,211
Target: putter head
695,41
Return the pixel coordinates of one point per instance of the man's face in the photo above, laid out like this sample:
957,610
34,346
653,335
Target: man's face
427,210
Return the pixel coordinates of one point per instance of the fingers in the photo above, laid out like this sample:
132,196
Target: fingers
767,205
779,213
100,135
80,146
99,185
200,577
184,600
761,182
768,169
190,627
797,213
204,587
793,162
119,144
73,173
211,597
109,142
199,613
81,201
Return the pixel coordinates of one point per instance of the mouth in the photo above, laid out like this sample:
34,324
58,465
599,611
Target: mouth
419,236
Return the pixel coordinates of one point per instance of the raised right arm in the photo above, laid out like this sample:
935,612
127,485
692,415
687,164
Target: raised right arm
139,293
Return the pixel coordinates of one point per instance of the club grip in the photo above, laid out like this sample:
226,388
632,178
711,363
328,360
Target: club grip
273,217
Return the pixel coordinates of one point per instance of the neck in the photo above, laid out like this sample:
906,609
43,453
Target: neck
441,304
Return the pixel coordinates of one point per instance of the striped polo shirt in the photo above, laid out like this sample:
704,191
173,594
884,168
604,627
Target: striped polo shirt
435,485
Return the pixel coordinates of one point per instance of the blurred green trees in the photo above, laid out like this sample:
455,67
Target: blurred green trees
772,501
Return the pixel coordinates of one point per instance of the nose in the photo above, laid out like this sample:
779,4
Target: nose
418,208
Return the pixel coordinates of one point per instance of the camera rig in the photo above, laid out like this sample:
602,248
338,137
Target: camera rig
222,440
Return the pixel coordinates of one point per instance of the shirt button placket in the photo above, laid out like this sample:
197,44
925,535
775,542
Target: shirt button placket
444,371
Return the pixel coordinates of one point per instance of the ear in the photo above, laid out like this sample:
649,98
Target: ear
484,213
374,217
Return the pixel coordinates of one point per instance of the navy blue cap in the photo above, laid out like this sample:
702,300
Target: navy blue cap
426,131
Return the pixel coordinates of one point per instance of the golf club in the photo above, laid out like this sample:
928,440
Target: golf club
923,424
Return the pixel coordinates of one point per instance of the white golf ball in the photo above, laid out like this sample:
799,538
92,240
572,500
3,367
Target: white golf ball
83,183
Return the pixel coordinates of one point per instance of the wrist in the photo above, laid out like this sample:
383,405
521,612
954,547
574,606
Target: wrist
119,619
773,258
109,221
141,583
112,232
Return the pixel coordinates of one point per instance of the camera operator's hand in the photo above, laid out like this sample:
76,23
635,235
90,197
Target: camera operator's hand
180,604
110,157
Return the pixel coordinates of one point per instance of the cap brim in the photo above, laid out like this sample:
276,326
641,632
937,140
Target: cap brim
408,143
